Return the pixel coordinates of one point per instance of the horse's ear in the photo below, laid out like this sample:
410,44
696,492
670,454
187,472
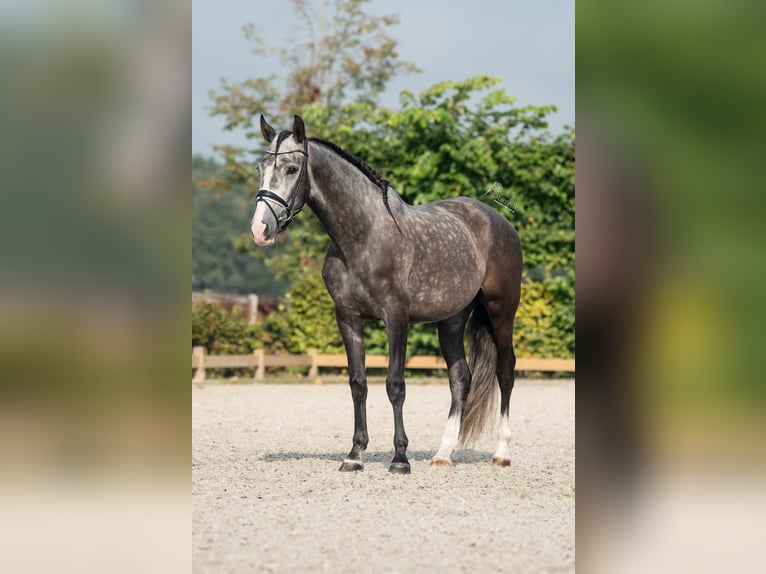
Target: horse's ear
299,130
267,131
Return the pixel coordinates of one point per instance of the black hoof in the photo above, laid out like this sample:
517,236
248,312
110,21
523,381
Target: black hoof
501,462
399,468
351,466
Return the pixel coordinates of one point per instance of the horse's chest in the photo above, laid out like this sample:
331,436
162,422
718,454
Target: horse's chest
353,293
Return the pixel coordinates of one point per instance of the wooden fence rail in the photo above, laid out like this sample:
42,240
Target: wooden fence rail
259,360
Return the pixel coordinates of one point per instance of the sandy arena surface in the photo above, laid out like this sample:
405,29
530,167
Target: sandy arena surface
267,495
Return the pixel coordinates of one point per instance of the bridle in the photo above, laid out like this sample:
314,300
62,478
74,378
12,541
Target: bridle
269,196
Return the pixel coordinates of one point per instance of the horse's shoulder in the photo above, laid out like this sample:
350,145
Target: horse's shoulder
333,262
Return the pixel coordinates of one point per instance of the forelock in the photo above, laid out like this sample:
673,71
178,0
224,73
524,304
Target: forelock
282,137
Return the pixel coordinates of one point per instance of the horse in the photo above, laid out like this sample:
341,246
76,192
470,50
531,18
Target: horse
442,262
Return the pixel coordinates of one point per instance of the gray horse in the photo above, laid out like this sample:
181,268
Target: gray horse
441,262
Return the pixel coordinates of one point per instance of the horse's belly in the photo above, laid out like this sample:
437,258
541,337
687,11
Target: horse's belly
444,278
438,297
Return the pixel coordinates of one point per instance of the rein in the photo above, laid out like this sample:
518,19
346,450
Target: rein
268,196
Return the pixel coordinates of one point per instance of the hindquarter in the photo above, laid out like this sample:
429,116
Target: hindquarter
497,248
501,286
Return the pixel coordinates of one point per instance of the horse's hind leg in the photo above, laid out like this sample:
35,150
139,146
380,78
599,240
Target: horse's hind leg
451,341
502,314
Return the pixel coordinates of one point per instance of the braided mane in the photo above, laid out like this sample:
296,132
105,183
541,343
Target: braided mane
371,174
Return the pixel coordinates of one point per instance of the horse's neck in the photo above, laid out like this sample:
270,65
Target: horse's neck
347,203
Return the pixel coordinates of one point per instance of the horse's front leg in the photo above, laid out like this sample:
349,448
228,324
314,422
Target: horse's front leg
397,347
351,331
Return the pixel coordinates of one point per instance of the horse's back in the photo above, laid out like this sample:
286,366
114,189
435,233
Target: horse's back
494,234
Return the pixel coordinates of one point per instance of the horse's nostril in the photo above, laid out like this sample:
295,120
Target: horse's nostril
267,230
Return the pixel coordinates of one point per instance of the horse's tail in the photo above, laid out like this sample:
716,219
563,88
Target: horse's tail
481,409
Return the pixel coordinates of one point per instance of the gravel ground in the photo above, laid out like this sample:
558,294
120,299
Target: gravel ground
267,496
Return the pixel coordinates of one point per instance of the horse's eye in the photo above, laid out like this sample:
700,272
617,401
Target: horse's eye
292,170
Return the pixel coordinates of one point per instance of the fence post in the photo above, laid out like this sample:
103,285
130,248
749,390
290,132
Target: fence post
253,316
314,368
260,370
199,374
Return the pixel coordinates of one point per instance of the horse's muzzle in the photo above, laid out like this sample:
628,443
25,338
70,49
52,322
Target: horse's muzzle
264,227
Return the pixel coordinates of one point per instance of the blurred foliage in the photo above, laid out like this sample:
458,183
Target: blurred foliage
95,232
680,93
674,92
465,138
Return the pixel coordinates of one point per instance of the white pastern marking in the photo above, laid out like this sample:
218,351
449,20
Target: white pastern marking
504,439
450,437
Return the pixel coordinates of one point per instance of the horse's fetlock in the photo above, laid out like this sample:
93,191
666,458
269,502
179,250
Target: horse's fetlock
361,438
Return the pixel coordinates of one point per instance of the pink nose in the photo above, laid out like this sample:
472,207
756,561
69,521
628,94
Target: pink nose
258,227
259,233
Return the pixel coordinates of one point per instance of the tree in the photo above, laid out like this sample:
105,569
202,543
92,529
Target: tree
343,54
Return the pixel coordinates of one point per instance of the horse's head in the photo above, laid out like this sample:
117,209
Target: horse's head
284,181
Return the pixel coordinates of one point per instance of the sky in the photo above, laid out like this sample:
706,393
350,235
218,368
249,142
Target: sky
529,44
